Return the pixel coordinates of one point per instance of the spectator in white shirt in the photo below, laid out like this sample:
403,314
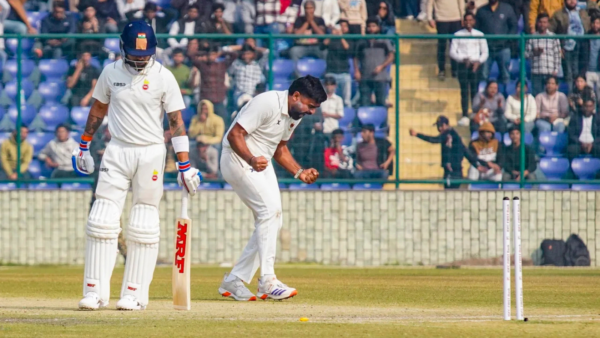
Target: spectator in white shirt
469,54
513,109
57,154
328,10
332,108
584,132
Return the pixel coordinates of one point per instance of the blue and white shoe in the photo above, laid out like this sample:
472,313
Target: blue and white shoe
274,289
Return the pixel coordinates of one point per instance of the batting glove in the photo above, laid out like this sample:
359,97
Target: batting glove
82,161
188,177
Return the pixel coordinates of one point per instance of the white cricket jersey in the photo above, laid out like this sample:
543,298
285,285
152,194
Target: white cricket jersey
136,103
267,122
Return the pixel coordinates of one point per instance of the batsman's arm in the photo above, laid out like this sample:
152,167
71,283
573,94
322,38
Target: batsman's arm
177,128
97,113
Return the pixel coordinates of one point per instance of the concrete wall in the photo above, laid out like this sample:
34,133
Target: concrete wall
346,228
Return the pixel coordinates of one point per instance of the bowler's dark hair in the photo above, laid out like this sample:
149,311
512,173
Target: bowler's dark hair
309,86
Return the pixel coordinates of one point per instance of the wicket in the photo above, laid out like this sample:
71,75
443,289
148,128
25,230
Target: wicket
516,213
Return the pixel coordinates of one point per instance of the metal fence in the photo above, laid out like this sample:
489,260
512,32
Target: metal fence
411,97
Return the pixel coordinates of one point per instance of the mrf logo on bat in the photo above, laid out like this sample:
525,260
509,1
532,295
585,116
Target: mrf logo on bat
180,246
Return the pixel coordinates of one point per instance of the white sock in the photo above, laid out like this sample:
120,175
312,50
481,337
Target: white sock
231,278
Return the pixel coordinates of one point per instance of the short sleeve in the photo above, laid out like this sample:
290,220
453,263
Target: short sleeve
172,99
102,89
287,133
299,22
256,112
95,73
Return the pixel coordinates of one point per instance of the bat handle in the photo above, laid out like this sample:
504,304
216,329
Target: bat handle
184,203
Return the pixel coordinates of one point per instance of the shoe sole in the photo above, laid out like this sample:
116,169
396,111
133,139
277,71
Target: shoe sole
228,294
265,296
127,309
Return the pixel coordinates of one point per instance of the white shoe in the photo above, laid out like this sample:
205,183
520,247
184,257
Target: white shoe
274,289
409,17
422,16
129,303
236,290
464,121
91,301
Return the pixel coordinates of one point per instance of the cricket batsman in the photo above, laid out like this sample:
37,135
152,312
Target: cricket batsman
134,92
259,133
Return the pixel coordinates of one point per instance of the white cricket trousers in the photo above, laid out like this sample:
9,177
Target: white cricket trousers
260,192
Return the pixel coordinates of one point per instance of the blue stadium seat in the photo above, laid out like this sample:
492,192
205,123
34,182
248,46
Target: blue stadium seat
511,87
484,186
113,45
281,84
497,135
304,186
27,114
347,138
585,187
76,186
351,64
52,91
528,139
553,142
563,87
210,186
171,186
53,114
373,115
494,71
26,46
283,186
547,186
283,68
35,169
42,186
2,111
80,115
346,121
93,62
75,135
54,69
27,67
35,18
227,186
310,66
515,186
7,186
11,89
554,168
367,186
4,136
39,141
187,115
513,69
335,186
585,168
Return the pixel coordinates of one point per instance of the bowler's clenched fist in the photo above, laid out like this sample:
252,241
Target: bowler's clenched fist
259,163
309,176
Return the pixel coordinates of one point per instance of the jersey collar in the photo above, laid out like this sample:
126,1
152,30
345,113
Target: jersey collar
283,102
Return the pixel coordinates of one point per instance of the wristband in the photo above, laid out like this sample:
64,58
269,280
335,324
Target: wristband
184,166
181,144
84,145
298,173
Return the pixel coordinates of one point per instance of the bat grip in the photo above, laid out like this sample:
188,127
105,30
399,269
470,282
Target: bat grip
184,203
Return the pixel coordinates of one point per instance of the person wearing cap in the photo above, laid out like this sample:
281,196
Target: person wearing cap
133,94
486,148
333,108
453,150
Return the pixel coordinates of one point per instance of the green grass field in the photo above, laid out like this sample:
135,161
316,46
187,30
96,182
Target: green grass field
340,302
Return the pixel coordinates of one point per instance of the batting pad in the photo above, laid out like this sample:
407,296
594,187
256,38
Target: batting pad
103,229
143,236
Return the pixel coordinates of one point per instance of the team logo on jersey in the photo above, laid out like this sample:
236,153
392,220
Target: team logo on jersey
140,42
154,175
146,85
291,126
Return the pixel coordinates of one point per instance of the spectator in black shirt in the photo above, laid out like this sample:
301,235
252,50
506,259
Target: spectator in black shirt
108,11
338,66
90,24
308,25
217,25
510,158
453,150
584,132
82,80
59,22
158,20
497,18
204,7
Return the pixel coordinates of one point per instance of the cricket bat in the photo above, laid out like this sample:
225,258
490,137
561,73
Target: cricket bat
182,258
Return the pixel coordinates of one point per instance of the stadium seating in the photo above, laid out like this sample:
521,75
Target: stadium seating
348,138
283,186
563,88
35,18
585,187
26,46
2,113
376,116
368,186
210,186
484,186
310,66
79,115
113,45
11,89
554,186
494,71
75,135
346,121
335,186
304,186
171,186
515,186
76,186
27,114
35,169
53,114
187,115
7,186
281,84
42,186
585,168
52,91
53,69
4,136
39,141
283,68
528,139
554,168
27,67
553,142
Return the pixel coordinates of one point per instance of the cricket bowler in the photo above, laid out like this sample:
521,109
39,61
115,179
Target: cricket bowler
259,133
134,92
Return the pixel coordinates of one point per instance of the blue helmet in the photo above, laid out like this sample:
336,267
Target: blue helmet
138,39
